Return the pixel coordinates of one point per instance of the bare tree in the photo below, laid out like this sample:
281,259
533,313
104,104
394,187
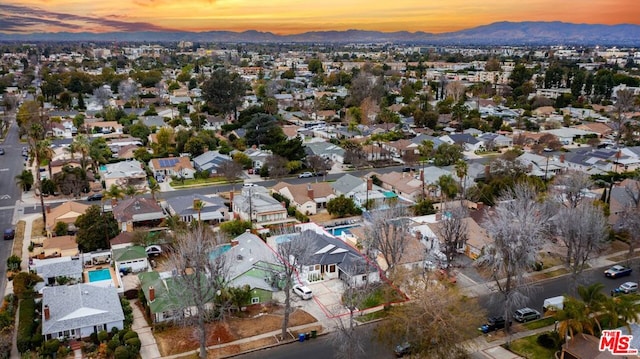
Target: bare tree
452,232
231,171
456,90
516,227
570,188
277,166
318,164
435,324
291,255
387,233
630,216
583,230
127,89
348,340
200,279
624,102
103,95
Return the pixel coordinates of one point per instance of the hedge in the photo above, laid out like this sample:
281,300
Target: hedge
27,324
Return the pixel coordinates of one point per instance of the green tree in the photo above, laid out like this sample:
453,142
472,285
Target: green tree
446,154
223,91
95,229
25,180
13,263
61,229
342,206
235,228
448,186
315,65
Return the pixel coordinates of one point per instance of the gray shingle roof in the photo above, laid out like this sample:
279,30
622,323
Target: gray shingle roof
210,161
71,268
346,184
79,306
183,205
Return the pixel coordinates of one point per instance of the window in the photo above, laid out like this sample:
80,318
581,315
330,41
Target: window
255,300
332,268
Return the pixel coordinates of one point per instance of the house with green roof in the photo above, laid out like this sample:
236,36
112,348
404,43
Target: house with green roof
130,259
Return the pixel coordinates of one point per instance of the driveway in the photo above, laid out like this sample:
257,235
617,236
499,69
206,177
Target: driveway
149,348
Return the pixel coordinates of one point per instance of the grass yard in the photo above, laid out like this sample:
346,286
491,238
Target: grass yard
554,273
529,348
539,323
197,182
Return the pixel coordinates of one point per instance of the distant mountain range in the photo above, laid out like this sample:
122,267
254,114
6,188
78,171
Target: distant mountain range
499,33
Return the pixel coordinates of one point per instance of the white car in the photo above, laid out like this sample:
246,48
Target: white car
305,175
249,185
302,291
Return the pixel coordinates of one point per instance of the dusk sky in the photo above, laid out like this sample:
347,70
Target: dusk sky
290,17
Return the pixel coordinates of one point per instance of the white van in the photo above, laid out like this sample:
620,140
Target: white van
302,291
553,303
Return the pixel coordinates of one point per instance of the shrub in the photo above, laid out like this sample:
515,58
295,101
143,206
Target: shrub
129,335
103,336
94,338
134,344
550,340
50,347
13,263
121,353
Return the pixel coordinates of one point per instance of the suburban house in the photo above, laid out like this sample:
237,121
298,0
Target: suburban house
542,166
130,259
330,257
325,150
347,185
58,271
124,174
621,198
134,213
104,127
210,161
213,208
67,213
468,142
495,140
586,346
253,263
77,311
566,135
308,198
404,184
172,166
256,204
61,246
477,236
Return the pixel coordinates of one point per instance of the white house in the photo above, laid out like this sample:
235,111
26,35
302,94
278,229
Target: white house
77,311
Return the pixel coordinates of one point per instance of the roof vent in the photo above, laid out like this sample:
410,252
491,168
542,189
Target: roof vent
239,257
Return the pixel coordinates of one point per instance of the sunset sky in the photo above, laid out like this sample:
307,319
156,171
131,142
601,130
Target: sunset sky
290,17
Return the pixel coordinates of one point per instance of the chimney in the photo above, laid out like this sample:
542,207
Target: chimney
205,149
562,158
152,294
479,205
310,191
487,171
48,208
235,242
231,201
284,204
47,313
438,217
369,184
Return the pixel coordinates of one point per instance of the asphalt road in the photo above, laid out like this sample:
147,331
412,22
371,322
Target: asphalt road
11,164
324,347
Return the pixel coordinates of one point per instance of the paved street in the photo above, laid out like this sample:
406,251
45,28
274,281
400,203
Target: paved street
11,164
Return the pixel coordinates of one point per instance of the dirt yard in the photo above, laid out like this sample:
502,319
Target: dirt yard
255,320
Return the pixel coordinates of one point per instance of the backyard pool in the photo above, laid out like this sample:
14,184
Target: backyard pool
103,168
340,230
219,251
99,275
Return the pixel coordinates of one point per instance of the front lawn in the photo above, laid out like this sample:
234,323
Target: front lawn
196,182
529,348
539,323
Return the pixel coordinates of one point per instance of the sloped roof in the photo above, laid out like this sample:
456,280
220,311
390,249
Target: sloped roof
137,209
67,212
129,253
79,306
183,205
68,268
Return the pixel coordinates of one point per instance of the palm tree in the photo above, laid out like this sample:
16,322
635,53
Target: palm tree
81,144
461,168
448,187
174,223
39,150
114,193
131,191
154,188
198,205
574,318
25,180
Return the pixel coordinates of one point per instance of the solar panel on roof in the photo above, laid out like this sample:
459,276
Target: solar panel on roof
169,162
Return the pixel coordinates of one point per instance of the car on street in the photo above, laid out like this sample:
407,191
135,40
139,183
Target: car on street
95,197
305,175
526,314
625,288
1,151
302,291
617,271
493,323
248,184
402,349
9,233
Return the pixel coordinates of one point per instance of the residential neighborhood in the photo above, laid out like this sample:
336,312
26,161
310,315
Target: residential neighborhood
162,190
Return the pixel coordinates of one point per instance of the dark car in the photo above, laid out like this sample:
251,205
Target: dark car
492,324
9,233
617,271
402,349
1,151
95,197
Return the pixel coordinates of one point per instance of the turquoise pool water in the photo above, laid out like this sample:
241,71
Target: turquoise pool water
103,168
338,231
99,274
219,250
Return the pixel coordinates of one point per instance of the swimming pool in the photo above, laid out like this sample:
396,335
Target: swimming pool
219,251
103,168
340,230
99,275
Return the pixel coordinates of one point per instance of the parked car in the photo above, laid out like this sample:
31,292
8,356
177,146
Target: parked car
305,175
618,271
492,324
526,314
553,304
249,185
302,291
1,151
9,233
625,288
402,349
95,197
